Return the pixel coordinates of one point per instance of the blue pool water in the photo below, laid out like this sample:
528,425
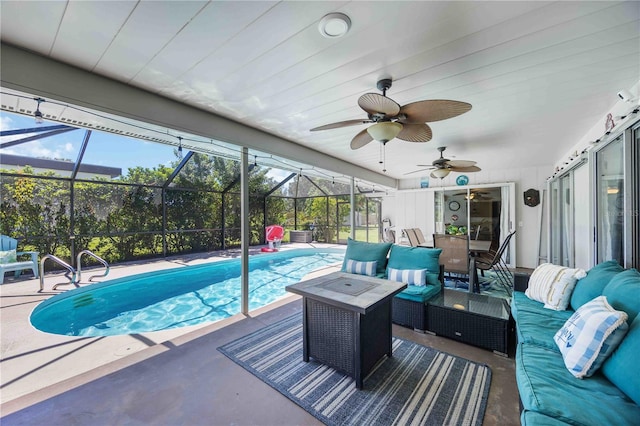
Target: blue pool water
176,297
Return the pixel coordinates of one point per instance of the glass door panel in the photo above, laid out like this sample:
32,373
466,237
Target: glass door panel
610,202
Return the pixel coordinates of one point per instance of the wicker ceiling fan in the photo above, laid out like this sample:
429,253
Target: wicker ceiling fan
407,122
443,166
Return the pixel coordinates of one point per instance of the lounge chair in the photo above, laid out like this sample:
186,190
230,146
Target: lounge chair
9,258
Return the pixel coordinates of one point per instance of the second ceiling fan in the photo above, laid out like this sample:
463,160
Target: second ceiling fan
443,166
407,122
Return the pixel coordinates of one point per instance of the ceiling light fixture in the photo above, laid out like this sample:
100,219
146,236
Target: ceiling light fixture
384,131
334,25
38,113
440,173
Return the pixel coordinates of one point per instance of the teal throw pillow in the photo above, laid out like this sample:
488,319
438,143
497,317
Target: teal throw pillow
592,286
402,257
367,252
622,367
623,292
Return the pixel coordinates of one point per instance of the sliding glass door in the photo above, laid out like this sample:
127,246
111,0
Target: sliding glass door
610,185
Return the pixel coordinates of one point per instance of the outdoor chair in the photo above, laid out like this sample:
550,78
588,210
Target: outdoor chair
9,258
455,253
411,236
494,261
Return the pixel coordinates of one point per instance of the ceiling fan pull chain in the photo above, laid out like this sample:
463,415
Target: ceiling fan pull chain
384,158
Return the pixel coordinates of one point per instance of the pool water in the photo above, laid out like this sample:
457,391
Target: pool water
176,297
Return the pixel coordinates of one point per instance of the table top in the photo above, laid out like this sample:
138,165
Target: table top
479,246
358,293
480,304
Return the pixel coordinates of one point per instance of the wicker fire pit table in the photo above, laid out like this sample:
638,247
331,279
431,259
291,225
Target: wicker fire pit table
347,321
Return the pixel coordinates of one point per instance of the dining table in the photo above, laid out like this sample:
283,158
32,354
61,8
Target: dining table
476,247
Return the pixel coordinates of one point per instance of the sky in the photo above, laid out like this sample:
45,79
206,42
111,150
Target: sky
104,149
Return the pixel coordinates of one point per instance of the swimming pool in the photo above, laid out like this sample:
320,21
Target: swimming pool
176,297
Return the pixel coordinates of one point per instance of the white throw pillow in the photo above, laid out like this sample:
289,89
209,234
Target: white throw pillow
552,285
408,276
361,268
590,335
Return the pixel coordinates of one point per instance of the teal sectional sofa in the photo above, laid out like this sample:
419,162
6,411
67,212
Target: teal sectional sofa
409,307
549,393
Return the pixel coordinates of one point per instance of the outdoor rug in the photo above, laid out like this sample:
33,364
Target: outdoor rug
417,385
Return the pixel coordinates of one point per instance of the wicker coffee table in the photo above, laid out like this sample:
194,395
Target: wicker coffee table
471,318
347,321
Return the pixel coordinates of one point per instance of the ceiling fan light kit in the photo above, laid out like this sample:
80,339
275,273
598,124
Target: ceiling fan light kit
384,131
440,173
390,120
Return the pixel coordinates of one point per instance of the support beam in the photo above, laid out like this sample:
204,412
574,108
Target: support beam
244,229
34,130
352,202
177,170
36,137
83,148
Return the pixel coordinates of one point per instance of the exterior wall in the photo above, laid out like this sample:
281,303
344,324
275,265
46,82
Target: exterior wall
414,208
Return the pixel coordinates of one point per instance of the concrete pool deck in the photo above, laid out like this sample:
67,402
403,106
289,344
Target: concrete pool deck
170,377
31,360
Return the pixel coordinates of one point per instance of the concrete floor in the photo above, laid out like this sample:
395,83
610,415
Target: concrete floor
173,377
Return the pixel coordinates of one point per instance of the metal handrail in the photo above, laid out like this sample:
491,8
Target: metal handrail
96,257
70,271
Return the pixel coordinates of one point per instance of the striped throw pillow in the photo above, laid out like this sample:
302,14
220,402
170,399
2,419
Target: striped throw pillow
552,285
408,276
361,268
590,335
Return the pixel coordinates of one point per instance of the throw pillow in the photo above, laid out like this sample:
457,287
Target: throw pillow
408,276
361,268
552,285
590,335
402,257
366,252
8,256
622,367
623,292
592,286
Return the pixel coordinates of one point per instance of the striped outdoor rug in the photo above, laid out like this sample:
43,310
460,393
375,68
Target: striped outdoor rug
418,385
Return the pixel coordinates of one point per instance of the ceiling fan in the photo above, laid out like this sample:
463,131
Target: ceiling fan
391,120
443,166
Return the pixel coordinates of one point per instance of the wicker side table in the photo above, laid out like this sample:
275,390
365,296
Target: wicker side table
475,319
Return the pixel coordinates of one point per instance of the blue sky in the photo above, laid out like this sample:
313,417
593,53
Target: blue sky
104,149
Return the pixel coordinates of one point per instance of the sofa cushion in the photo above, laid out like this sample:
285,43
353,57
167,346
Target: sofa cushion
623,292
361,268
552,285
591,286
590,336
622,367
531,418
419,293
539,330
417,277
402,257
547,387
365,252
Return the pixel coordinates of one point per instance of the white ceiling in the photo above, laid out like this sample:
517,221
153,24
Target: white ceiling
538,74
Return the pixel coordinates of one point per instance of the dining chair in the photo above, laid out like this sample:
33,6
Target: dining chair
455,253
494,261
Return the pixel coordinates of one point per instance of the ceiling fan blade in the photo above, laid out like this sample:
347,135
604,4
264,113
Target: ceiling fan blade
361,139
470,169
339,124
432,110
418,171
374,103
460,163
415,133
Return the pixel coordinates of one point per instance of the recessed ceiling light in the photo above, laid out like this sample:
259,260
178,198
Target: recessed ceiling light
334,25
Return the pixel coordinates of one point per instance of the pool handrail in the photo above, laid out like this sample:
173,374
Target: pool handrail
96,257
70,271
